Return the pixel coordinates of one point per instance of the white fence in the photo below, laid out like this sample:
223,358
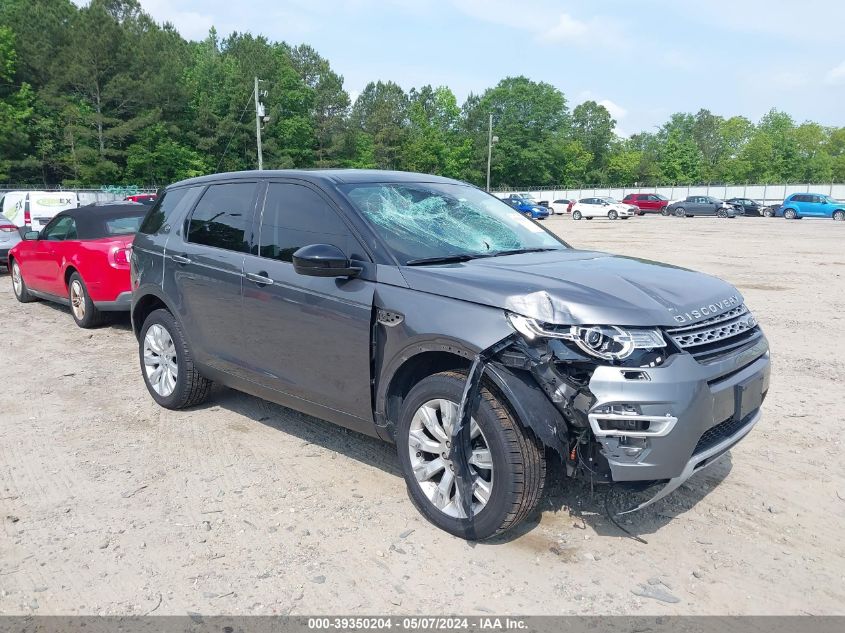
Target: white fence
86,196
770,194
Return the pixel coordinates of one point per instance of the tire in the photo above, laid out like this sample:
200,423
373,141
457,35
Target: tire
189,387
680,212
576,215
839,216
528,215
790,214
517,474
664,210
722,213
82,308
612,215
19,285
768,213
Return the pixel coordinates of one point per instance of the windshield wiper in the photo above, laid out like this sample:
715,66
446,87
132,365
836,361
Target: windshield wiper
520,251
443,259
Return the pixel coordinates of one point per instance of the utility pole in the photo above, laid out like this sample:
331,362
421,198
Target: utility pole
490,140
259,114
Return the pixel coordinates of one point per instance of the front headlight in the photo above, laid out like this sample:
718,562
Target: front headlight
607,342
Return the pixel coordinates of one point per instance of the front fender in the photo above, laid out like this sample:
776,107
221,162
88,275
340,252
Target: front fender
430,323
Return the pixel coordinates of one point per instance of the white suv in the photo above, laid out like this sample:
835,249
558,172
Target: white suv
602,208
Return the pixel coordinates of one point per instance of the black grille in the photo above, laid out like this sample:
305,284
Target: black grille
721,432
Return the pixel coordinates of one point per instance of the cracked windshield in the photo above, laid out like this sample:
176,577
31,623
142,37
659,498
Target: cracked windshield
429,222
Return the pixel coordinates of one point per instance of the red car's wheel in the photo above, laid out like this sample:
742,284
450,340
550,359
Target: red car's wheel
82,308
19,285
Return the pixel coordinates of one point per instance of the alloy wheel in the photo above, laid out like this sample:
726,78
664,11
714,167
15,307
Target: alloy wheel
77,299
429,445
160,362
17,280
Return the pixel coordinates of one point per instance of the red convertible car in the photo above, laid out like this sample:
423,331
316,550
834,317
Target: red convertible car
80,259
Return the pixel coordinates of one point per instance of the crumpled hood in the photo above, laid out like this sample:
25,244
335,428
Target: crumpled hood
580,287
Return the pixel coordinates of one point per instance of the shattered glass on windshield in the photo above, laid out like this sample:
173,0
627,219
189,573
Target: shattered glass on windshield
425,220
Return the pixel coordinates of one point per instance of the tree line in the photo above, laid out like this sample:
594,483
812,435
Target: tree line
103,94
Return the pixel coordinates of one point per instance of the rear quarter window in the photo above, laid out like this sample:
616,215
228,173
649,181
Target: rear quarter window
166,205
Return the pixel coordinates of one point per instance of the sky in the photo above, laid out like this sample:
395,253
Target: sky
642,59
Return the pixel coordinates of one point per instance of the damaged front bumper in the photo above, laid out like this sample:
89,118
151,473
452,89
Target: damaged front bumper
653,424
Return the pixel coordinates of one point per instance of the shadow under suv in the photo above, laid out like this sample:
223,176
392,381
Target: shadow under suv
425,312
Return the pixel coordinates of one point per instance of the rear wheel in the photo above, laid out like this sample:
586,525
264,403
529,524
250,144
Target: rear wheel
839,216
508,463
790,214
527,214
680,212
82,308
576,215
612,215
167,363
19,285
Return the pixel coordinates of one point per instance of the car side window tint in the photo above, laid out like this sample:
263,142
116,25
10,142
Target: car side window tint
296,216
62,229
222,215
168,204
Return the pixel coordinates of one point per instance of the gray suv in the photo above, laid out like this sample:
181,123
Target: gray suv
425,312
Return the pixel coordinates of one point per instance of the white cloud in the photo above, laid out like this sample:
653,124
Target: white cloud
191,25
836,75
547,22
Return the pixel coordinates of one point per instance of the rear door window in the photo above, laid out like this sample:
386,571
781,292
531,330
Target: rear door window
295,216
222,215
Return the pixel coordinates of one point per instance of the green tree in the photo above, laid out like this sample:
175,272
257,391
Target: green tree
381,112
593,126
16,110
157,159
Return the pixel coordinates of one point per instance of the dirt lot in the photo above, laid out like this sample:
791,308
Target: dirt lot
112,505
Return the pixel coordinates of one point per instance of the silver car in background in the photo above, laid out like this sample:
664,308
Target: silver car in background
9,236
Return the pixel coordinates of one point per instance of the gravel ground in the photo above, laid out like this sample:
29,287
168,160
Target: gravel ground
112,505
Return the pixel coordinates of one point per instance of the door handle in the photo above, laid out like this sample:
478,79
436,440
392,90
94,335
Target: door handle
260,278
180,259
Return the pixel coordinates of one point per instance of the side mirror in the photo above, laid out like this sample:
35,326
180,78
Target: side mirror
323,260
31,235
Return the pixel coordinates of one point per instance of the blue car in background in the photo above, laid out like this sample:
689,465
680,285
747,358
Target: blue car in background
527,208
811,205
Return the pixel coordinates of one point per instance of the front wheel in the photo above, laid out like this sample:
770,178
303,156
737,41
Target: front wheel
839,216
576,215
722,213
612,215
768,213
680,212
507,462
664,211
167,363
82,308
790,214
19,285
